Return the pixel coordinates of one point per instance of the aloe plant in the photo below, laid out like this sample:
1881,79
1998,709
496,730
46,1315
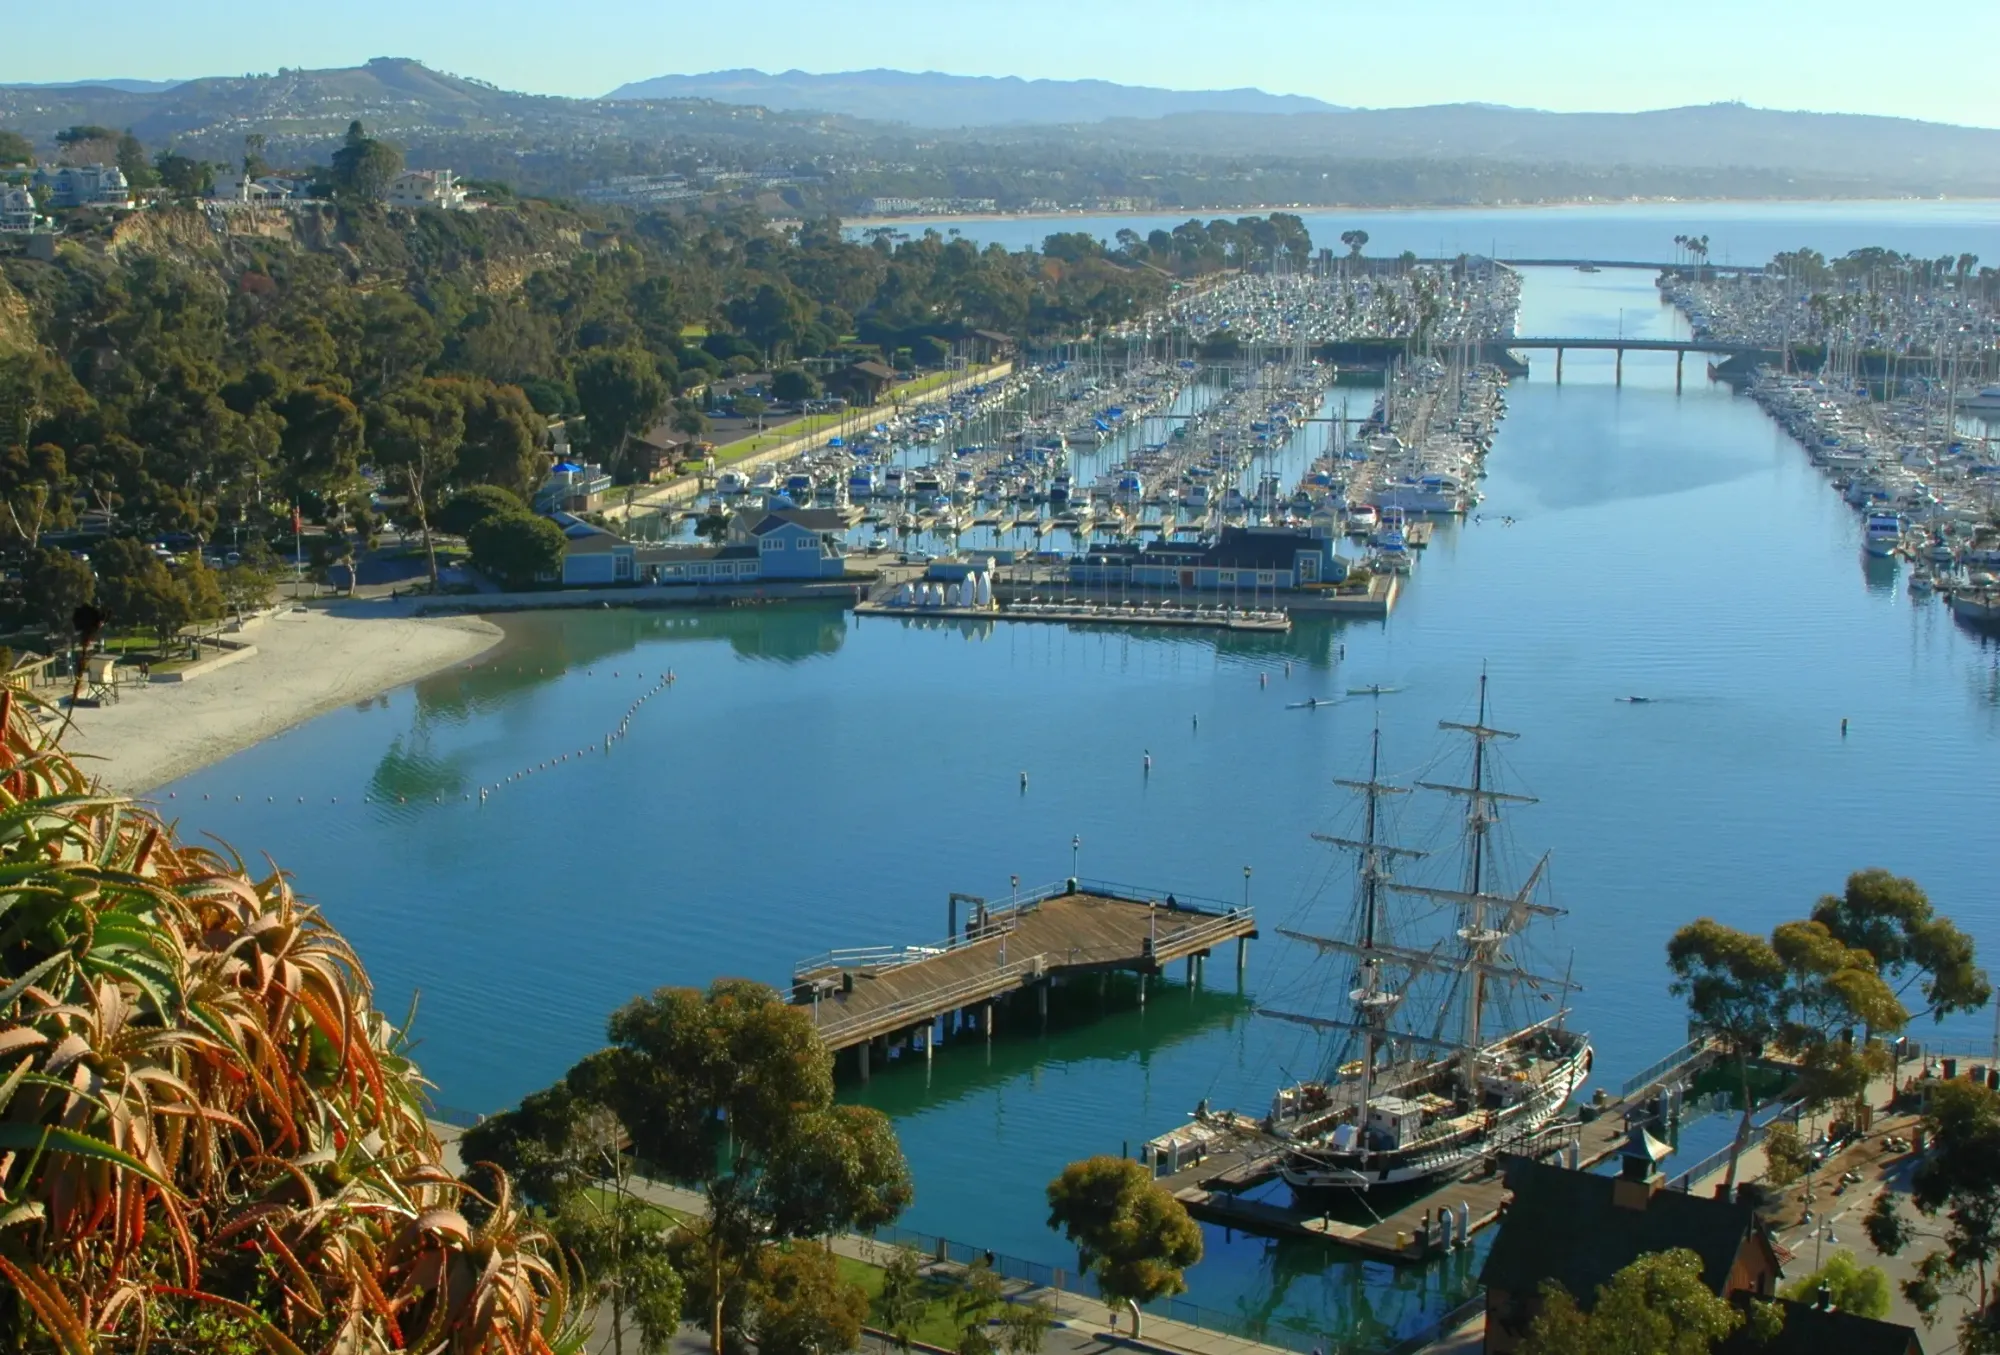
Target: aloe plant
209,1136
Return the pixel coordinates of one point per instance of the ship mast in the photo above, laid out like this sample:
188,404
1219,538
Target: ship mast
1482,810
1373,1001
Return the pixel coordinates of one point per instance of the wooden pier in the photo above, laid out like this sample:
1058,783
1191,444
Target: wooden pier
1229,1153
870,999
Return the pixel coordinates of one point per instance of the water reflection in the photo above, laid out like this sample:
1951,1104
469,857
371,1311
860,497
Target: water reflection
1084,1026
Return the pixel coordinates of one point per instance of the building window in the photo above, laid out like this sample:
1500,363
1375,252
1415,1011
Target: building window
805,543
771,543
699,571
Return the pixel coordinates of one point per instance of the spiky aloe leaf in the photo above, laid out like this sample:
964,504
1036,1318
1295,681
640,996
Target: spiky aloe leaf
38,1139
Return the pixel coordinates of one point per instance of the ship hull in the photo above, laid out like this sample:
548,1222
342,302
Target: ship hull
1320,1175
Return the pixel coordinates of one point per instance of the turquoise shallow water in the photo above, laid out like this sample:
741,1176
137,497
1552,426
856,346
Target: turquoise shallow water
811,781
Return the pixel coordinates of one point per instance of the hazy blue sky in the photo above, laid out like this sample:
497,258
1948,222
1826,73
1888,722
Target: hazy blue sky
1829,55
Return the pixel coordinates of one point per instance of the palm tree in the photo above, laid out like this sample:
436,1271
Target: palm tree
207,1130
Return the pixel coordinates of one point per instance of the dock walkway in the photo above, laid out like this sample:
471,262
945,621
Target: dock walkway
1045,936
1229,1153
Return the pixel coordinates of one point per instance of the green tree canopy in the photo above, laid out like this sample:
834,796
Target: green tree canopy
1892,919
56,584
795,384
137,591
1658,1305
517,549
1958,1180
804,1305
15,149
1135,1236
731,1088
469,507
363,167
622,394
1854,1288
1733,983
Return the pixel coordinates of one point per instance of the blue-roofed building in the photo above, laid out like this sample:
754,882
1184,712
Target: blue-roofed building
573,488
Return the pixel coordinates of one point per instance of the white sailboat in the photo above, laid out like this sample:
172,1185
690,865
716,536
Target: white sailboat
1429,1089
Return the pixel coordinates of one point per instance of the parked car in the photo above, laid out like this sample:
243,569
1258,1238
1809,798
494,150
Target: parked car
916,557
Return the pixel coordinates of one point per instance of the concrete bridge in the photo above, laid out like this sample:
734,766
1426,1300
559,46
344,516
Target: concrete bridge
1496,351
1702,269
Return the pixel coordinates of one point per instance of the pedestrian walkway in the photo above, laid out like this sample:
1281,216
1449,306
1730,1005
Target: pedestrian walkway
1077,1314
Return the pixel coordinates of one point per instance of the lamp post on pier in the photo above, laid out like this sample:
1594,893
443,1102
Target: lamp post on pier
1075,846
1246,889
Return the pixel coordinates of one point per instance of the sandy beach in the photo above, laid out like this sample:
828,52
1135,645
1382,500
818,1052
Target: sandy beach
306,663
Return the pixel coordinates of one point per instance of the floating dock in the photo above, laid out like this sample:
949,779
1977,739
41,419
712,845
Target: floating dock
869,999
1228,1153
1090,614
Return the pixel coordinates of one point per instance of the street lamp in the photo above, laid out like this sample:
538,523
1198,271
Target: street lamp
1075,845
1246,889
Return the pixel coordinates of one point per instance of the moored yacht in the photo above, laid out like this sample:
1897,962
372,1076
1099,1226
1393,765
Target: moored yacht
1985,400
1882,535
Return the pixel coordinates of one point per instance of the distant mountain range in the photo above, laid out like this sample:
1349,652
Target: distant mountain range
844,139
122,86
1719,135
934,99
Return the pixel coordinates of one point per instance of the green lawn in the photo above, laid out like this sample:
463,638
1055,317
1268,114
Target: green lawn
728,452
937,1326
658,1214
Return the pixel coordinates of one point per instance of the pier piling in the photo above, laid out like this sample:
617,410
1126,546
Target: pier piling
1680,362
1559,366
1618,378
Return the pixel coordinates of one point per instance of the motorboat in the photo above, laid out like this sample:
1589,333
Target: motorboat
1882,535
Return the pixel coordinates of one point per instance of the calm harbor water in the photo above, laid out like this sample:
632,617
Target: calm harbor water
814,781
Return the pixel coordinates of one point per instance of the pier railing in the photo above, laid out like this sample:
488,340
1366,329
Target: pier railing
963,993
1645,1077
1001,919
1688,1179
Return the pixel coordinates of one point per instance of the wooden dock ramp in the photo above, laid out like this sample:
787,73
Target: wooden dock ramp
860,997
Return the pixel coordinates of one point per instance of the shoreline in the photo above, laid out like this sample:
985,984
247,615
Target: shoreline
1209,213
307,663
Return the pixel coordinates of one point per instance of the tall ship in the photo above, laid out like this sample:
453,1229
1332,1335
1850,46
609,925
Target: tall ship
1449,1048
